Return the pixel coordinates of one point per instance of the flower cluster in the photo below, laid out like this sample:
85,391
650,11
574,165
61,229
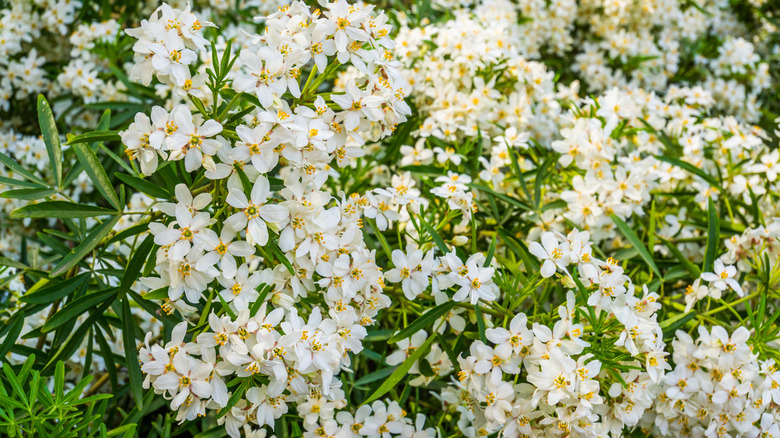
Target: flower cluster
457,218
167,45
622,167
548,379
718,387
215,238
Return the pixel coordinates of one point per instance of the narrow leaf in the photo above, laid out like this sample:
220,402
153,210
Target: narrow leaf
401,371
97,173
13,333
692,169
713,235
141,185
425,320
94,136
85,247
690,267
131,346
78,306
59,209
51,138
55,290
28,194
136,263
16,167
435,236
636,243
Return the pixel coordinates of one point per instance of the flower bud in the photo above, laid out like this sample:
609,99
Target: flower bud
460,240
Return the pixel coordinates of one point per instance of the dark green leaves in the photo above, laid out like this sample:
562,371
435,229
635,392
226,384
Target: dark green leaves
59,209
55,290
78,306
88,244
16,323
51,138
401,371
96,173
17,168
435,236
94,136
131,346
28,194
636,243
713,235
136,263
425,320
144,186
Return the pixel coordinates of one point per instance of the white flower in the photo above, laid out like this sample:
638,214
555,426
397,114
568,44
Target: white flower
171,58
192,140
513,340
255,212
242,289
189,378
182,238
411,270
477,284
554,377
222,249
262,78
497,396
554,254
724,277
266,408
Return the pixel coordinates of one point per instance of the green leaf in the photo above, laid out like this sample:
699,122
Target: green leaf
28,194
435,236
56,290
59,209
491,251
12,263
373,377
669,326
128,232
519,248
94,136
501,196
85,247
136,263
144,186
423,169
233,400
713,235
78,306
422,322
131,346
636,243
692,169
157,294
401,371
690,267
263,290
17,387
480,323
226,307
51,138
16,326
108,357
97,174
20,183
16,167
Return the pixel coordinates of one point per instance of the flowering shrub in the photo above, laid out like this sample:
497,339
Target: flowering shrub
489,218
